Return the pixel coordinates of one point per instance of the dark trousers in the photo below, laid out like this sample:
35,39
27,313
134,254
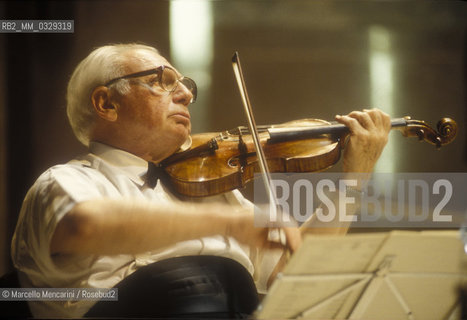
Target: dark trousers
184,287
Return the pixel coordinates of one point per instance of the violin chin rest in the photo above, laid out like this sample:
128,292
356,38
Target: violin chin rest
186,145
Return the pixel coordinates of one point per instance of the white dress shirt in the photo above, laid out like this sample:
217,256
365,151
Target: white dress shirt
104,172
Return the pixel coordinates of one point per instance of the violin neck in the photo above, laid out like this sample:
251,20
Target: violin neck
334,128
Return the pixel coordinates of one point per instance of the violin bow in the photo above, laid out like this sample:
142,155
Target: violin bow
237,68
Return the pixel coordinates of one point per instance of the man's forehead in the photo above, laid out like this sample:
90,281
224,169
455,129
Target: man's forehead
140,60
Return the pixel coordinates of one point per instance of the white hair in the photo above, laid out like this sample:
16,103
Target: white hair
100,66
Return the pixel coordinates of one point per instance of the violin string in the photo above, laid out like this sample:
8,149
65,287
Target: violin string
245,130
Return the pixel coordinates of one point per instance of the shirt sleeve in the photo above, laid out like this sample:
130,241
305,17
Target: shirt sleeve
51,197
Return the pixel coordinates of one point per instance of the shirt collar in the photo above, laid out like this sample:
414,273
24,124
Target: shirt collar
132,166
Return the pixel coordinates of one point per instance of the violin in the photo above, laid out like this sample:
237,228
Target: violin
218,162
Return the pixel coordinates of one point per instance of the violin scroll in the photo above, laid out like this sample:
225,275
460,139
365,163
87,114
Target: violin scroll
447,128
447,131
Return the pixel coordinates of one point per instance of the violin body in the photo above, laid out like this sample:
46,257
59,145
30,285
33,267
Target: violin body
220,162
234,162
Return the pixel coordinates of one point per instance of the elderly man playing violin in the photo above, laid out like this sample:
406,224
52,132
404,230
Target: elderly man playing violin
98,222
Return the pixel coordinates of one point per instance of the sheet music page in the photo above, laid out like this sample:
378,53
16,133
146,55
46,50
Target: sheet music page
291,295
339,306
335,254
418,271
430,296
433,251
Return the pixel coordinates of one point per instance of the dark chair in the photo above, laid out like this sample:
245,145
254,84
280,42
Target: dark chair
13,309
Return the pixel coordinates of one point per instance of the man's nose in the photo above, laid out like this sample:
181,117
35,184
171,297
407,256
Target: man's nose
182,94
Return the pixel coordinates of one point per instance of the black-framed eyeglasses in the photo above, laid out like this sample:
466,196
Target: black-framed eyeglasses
167,79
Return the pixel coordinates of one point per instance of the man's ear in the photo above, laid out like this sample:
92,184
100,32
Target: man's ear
100,98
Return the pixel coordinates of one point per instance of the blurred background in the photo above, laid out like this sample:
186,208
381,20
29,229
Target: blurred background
301,59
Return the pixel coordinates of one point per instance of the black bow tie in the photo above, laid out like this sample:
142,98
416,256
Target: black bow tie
155,173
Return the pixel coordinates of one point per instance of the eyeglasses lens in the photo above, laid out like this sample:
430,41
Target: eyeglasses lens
190,85
169,79
169,82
